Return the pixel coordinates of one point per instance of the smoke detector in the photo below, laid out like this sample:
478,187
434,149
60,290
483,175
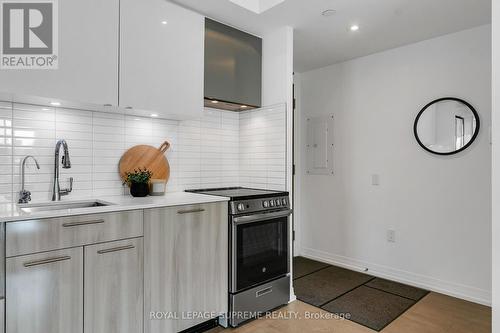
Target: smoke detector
329,12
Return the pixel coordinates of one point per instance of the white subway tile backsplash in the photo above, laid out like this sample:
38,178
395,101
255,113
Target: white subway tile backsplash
6,152
108,146
219,149
263,148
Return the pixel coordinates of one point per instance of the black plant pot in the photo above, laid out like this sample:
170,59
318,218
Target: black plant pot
139,189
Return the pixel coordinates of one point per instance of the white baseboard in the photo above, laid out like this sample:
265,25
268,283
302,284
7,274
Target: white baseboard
453,289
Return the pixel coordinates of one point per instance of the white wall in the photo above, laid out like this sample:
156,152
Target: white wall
205,152
440,207
496,167
263,148
277,82
277,66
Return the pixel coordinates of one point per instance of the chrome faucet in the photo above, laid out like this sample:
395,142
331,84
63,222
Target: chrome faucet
24,195
66,164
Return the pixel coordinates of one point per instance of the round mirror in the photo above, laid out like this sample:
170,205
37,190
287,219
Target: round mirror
446,126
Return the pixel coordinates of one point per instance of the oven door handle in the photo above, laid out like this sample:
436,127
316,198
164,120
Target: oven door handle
261,217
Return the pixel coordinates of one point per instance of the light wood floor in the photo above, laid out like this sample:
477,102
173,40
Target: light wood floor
435,313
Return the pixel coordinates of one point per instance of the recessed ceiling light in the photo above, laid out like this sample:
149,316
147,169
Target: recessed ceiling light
45,109
154,115
215,102
55,103
243,106
354,27
164,22
329,12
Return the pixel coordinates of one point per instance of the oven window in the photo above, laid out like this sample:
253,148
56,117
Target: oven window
261,251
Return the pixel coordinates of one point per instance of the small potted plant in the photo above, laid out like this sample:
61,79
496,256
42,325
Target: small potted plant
138,181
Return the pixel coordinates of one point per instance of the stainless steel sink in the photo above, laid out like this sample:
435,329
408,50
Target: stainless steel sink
54,206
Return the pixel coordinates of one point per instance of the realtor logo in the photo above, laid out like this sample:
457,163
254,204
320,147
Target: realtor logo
29,34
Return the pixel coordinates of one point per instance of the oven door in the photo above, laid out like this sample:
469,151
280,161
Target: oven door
260,249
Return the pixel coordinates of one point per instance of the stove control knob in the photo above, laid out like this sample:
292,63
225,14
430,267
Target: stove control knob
271,202
241,207
265,204
283,201
278,202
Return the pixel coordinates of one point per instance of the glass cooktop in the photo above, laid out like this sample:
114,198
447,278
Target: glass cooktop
240,193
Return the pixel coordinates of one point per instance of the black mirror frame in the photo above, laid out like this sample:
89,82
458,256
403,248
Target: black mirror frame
474,136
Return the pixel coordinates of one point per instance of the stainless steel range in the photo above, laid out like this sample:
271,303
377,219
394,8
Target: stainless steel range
259,251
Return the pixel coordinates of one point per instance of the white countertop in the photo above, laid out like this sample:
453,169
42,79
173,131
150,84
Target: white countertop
12,212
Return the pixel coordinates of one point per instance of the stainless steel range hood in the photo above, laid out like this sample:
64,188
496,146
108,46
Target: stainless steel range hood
233,68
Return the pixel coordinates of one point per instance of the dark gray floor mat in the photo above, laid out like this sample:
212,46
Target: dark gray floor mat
324,285
303,266
370,307
397,289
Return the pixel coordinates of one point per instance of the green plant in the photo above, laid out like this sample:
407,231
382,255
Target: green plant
139,176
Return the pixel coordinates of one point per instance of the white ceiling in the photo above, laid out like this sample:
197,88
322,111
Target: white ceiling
257,6
384,24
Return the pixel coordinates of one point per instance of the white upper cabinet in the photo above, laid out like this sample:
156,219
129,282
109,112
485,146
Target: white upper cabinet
88,57
146,57
161,58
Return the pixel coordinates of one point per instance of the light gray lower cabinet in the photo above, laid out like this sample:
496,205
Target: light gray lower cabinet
33,236
44,292
78,274
114,287
2,315
186,256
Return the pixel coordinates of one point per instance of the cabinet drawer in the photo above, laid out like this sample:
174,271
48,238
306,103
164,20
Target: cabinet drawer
51,234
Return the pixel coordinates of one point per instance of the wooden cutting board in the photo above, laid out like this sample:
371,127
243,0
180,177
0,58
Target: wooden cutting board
149,157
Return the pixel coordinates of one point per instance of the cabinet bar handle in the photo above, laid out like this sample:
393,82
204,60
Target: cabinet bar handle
45,261
116,249
188,211
264,291
77,224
